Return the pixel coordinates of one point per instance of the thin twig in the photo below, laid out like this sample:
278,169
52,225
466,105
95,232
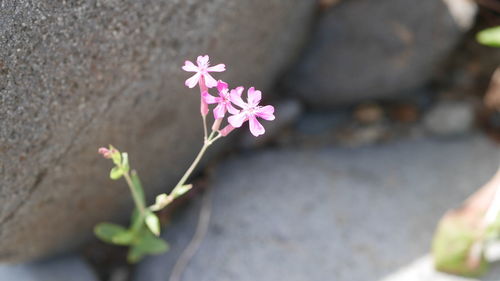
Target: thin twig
194,244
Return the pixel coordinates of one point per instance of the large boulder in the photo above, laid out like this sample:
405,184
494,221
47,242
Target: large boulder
76,75
366,49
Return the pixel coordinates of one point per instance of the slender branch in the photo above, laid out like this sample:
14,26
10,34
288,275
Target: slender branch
208,142
216,138
182,181
138,203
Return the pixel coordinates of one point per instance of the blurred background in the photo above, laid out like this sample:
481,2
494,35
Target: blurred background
386,117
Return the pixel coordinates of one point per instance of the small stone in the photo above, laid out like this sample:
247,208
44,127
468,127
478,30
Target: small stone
368,113
63,268
450,118
360,136
404,113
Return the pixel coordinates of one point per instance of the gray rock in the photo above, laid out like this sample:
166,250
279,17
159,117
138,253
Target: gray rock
76,75
330,214
65,268
450,118
365,49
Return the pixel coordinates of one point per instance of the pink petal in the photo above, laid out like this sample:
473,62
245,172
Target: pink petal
189,66
217,68
191,82
237,120
231,109
221,85
202,60
209,98
254,96
255,127
219,111
210,81
238,91
266,112
235,98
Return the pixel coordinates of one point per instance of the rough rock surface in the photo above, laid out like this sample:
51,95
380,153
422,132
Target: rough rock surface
63,268
329,214
76,75
365,49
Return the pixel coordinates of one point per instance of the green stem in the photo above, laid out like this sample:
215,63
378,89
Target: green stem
206,144
182,181
138,203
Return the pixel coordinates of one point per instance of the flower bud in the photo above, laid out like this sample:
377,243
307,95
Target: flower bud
216,125
226,130
106,153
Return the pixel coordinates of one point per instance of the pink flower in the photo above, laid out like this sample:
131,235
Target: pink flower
223,101
202,70
250,111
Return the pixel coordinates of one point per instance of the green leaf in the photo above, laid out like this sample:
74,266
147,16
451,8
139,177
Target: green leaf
181,190
146,243
153,222
123,238
107,231
138,187
152,245
116,173
489,37
135,254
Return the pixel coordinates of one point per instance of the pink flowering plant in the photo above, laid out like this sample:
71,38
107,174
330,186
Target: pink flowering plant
142,236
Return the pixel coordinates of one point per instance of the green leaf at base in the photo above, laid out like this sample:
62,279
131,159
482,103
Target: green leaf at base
108,231
146,244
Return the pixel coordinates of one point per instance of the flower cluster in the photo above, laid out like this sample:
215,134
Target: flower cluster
142,235
227,100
